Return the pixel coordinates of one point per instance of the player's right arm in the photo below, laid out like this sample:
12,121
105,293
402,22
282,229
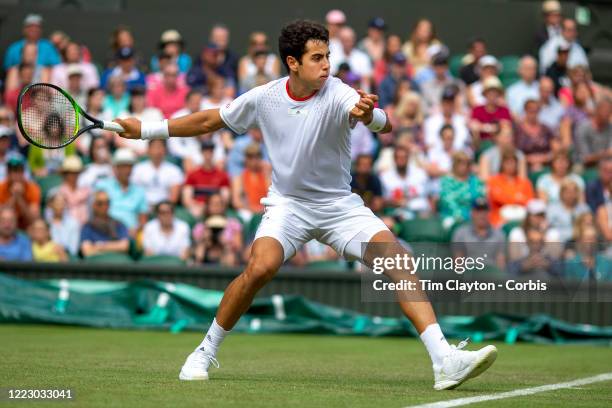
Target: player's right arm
194,124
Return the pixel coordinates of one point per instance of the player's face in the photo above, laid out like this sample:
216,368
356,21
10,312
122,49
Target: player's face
314,69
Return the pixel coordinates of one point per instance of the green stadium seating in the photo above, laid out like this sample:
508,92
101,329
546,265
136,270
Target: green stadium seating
183,214
589,175
48,183
327,265
455,64
535,175
251,227
424,230
110,257
509,73
162,260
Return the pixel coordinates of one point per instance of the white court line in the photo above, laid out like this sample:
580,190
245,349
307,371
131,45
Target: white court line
516,393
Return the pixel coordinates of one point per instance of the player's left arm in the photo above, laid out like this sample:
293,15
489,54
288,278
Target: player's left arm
374,118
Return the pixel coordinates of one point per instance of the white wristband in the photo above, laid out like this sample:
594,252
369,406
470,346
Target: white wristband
379,120
157,129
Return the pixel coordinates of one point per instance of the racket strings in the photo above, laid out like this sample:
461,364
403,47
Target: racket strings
48,117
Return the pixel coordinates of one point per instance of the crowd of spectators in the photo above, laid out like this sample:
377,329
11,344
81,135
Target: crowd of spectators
494,153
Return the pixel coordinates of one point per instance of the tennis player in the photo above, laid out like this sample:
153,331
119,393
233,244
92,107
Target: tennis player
306,119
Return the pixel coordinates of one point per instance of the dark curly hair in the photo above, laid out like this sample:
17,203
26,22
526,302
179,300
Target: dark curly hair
294,36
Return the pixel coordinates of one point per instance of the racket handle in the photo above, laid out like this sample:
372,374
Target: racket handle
112,126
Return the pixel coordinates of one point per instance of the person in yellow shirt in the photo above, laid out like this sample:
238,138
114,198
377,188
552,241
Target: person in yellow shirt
43,248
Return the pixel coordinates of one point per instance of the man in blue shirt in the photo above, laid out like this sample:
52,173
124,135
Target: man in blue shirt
14,246
126,69
527,88
128,202
32,33
236,156
103,234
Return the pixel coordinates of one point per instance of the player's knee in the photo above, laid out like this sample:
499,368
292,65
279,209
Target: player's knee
259,271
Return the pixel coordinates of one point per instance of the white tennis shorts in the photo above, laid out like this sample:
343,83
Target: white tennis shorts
294,223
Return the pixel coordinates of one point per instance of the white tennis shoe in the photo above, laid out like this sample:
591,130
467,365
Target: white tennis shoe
196,366
461,365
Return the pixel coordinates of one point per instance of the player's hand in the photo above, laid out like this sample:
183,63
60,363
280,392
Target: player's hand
131,126
364,107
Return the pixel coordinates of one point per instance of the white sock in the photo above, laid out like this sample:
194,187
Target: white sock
213,338
436,343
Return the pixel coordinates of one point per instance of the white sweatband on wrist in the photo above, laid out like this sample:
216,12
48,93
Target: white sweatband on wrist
379,120
156,129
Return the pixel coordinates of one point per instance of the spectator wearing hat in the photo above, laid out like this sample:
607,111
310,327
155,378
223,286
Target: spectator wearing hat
478,238
171,43
170,96
160,179
165,234
508,192
126,70
102,233
228,60
549,184
469,72
557,71
64,229
417,48
205,181
138,109
75,196
128,202
397,73
561,215
569,34
551,110
14,246
447,115
208,65
488,67
335,20
73,57
594,137
374,42
535,140
358,61
458,190
526,88
246,66
22,195
535,218
46,55
488,117
551,11
218,238
433,89
252,185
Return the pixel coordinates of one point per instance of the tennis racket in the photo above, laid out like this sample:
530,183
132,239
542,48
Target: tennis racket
50,118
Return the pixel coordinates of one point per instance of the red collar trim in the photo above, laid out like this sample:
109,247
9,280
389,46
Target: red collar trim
296,98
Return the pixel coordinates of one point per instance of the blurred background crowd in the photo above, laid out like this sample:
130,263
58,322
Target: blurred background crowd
505,155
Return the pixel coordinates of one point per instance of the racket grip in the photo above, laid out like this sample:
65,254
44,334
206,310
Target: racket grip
112,126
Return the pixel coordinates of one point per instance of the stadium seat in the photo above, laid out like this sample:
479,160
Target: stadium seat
327,265
110,257
509,73
455,64
183,214
162,260
424,230
251,227
589,175
48,183
535,175
506,228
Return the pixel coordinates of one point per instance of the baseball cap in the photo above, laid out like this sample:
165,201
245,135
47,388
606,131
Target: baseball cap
124,156
536,207
551,6
170,36
335,17
399,58
441,58
72,164
74,69
488,61
449,92
378,22
480,203
125,53
351,78
32,19
492,83
14,160
207,144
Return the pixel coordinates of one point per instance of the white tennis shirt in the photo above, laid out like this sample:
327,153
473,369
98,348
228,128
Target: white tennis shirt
308,141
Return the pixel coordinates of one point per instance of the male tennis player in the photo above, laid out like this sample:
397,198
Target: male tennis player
306,120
